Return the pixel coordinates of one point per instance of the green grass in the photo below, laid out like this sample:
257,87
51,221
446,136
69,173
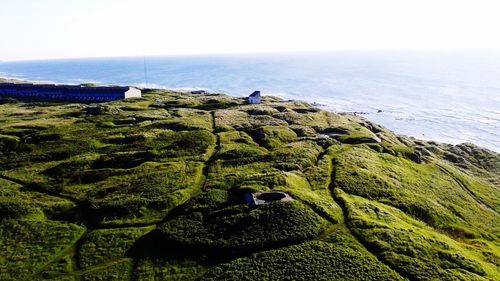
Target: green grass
424,191
238,228
297,155
106,245
309,261
413,248
145,194
153,189
120,270
17,203
272,137
28,246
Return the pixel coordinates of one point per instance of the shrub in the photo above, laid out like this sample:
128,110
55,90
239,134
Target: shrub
274,136
10,208
308,261
10,143
27,246
239,228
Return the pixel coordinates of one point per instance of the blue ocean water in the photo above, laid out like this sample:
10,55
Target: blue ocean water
445,96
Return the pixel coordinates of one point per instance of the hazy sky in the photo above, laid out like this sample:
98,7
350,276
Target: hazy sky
40,29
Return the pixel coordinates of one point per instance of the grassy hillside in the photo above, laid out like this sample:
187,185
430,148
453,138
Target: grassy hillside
153,189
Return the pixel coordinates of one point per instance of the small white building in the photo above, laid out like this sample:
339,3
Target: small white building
254,98
132,92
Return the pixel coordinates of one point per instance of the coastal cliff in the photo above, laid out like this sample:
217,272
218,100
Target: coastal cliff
153,188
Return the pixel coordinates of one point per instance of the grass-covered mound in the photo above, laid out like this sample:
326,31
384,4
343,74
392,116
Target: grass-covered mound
413,248
432,192
106,246
153,189
28,247
309,261
240,228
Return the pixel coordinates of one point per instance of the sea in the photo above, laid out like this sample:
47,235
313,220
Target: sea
447,96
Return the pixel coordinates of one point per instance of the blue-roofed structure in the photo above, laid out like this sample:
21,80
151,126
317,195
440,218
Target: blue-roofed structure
71,93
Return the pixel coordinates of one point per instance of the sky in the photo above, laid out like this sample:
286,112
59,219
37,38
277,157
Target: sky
47,29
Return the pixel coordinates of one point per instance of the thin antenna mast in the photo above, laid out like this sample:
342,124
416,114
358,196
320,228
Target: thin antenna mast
145,67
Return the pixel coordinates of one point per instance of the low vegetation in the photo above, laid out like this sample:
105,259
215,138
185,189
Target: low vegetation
238,228
155,188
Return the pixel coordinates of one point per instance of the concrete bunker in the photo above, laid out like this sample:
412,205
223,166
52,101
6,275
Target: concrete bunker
264,198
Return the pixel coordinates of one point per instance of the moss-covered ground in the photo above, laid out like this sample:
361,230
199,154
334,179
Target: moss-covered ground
153,189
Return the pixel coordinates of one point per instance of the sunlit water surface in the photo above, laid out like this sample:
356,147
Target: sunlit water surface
444,96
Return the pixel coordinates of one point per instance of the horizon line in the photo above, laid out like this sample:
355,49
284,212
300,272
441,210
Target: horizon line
263,53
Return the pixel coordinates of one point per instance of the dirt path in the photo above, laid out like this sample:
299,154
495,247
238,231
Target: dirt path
211,157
